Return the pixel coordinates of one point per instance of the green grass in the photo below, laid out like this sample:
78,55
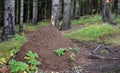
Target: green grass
117,21
88,20
14,43
114,41
30,27
93,32
44,23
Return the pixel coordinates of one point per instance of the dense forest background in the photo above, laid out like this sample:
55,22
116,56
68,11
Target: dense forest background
45,8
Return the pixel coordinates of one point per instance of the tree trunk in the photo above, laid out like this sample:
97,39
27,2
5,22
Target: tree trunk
66,16
72,8
17,12
28,12
55,13
61,10
36,10
9,20
106,11
76,16
0,13
21,16
118,12
45,9
34,18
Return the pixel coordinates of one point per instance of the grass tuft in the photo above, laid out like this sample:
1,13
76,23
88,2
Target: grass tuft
43,23
113,41
93,32
87,20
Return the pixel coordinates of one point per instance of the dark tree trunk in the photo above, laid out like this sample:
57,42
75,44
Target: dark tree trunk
36,11
1,13
106,11
61,10
67,16
17,11
9,20
45,10
28,12
77,8
55,13
72,8
118,12
21,16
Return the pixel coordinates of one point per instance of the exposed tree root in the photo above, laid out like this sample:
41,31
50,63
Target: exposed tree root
104,68
95,56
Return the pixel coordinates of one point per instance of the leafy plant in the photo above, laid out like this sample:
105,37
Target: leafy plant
17,66
60,51
75,48
13,52
3,60
72,56
78,68
32,61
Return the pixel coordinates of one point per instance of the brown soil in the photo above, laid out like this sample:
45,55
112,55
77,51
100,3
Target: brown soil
98,65
44,42
47,39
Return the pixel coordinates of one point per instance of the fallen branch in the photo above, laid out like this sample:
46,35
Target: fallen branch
95,56
94,51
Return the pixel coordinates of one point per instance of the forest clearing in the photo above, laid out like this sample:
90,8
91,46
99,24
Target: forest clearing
60,36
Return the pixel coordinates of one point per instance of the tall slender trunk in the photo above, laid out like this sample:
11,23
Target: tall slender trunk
76,15
0,13
72,8
55,13
34,18
17,11
61,10
45,17
36,10
21,16
67,16
28,12
118,12
9,20
106,11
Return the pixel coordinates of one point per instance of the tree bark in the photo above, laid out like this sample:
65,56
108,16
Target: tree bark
45,10
17,11
55,13
72,8
28,12
36,10
9,20
66,15
76,16
61,10
21,16
118,12
34,18
106,11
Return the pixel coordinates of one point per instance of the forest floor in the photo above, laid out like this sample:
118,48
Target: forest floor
47,39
